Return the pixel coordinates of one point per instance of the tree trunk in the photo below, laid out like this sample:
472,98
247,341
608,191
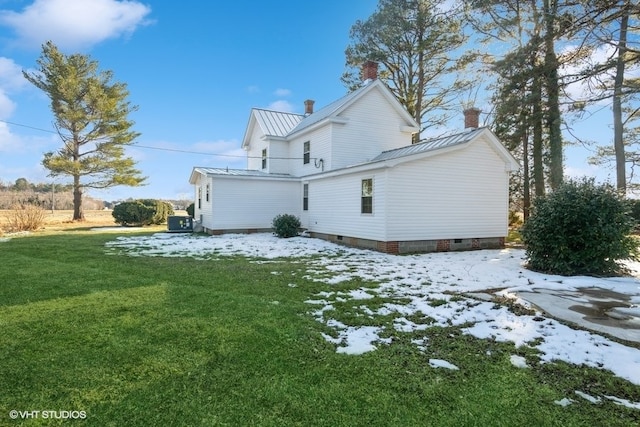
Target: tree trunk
421,85
526,191
553,104
618,127
78,212
538,163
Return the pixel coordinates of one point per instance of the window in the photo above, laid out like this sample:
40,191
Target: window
305,197
306,152
199,197
367,196
207,193
264,158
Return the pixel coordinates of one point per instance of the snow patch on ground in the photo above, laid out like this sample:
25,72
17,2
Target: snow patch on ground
439,363
423,291
518,361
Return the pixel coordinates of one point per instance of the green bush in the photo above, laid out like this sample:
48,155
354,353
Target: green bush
581,228
635,210
142,212
191,209
133,213
286,225
162,210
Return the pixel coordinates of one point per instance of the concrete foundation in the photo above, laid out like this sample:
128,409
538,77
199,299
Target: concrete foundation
415,246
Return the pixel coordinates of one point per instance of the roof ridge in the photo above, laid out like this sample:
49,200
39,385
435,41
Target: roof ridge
330,108
276,111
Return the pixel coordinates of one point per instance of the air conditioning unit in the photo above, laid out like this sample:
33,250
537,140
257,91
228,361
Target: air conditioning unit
180,224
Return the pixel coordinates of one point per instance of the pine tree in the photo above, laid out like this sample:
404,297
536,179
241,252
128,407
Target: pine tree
417,43
91,118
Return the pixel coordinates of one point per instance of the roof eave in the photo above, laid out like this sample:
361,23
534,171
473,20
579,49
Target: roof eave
323,122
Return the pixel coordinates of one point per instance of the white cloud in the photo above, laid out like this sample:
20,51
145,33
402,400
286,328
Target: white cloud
281,105
224,150
8,141
6,107
11,77
72,24
281,93
11,80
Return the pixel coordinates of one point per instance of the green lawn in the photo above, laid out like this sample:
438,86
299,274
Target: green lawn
134,341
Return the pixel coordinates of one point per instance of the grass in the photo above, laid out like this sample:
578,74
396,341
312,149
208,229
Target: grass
61,220
175,341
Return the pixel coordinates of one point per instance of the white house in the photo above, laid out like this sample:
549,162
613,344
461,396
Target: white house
351,174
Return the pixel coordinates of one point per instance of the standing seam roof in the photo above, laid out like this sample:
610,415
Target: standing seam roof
429,145
327,110
276,123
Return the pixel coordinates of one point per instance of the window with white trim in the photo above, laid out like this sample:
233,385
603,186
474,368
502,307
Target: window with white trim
305,197
366,206
306,152
264,158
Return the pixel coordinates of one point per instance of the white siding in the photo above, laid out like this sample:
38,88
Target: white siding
320,141
373,126
254,161
278,157
335,205
202,209
460,194
240,203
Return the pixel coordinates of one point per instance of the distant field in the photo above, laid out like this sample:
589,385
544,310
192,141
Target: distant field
61,220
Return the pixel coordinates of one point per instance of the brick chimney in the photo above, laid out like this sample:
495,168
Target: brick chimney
308,107
369,71
471,118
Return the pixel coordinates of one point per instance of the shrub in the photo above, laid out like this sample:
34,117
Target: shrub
286,225
133,213
142,212
581,228
635,210
162,210
191,210
25,217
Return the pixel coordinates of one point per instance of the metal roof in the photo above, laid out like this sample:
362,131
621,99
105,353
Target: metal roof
328,110
240,172
429,145
276,123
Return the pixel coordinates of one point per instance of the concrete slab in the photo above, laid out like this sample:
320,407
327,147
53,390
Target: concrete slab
596,309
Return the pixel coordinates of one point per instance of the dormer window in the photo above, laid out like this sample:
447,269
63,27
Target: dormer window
264,158
306,152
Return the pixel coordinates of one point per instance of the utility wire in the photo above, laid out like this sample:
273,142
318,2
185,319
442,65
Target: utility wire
168,149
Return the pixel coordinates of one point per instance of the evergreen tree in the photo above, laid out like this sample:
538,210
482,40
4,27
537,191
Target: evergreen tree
416,44
612,27
91,117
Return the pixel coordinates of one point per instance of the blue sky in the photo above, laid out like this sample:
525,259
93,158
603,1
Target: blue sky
195,69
